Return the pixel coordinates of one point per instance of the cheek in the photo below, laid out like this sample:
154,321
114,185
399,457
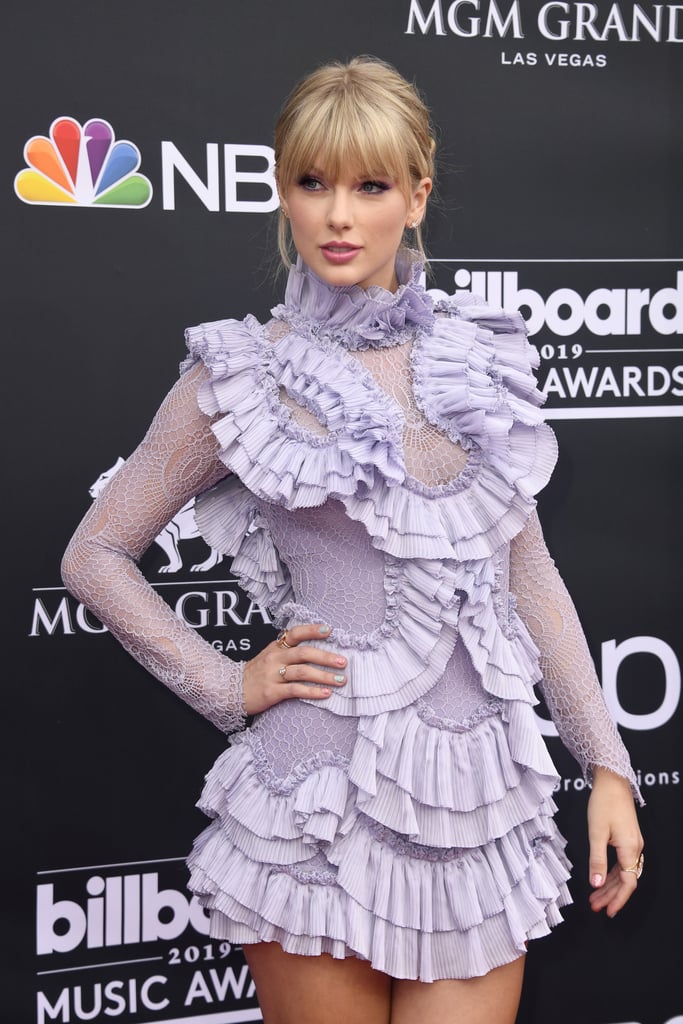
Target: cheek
305,210
395,219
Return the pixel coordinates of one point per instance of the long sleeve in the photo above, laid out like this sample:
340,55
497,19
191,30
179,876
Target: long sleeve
176,460
570,683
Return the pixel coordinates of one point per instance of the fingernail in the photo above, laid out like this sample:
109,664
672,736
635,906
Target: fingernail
340,661
325,692
324,629
338,679
596,881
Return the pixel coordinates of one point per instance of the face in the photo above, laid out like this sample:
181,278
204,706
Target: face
348,229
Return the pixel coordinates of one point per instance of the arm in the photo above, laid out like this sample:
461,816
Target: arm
176,460
570,683
575,700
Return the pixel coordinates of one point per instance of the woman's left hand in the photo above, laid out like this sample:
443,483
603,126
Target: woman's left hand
612,821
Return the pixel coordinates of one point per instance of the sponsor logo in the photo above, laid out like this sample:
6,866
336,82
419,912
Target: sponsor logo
247,183
556,22
82,165
565,311
608,332
128,940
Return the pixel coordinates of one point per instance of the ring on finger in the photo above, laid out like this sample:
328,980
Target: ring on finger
281,671
281,639
637,868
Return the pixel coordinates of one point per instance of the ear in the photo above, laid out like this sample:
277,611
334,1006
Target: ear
283,202
418,203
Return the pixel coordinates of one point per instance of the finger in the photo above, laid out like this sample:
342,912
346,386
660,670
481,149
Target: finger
316,656
615,893
597,859
304,658
308,674
621,898
600,898
308,631
289,690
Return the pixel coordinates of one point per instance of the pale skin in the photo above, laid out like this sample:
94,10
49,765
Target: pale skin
365,220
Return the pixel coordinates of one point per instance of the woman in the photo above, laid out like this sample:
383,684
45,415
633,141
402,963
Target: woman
382,844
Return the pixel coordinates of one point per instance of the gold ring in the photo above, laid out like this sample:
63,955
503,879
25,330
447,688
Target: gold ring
637,868
281,640
282,669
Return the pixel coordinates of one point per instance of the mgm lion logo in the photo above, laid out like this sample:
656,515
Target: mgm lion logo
181,527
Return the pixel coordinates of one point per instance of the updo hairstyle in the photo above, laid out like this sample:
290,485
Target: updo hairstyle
362,114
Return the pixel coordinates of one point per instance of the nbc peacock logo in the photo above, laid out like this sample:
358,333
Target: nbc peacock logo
82,165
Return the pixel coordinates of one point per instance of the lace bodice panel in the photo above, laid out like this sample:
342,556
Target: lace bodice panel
430,457
337,575
175,461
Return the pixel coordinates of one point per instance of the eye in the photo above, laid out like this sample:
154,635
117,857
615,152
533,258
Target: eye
372,188
310,183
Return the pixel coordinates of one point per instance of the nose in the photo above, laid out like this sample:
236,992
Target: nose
339,211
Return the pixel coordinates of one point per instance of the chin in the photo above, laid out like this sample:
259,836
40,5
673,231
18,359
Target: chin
338,277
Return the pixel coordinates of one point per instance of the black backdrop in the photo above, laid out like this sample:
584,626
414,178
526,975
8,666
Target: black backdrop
560,171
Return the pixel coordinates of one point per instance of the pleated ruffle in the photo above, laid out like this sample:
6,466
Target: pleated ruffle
229,519
312,863
473,381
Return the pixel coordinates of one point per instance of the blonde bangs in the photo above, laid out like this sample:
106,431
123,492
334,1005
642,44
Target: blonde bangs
342,136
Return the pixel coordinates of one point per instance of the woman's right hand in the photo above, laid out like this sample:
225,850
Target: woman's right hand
291,669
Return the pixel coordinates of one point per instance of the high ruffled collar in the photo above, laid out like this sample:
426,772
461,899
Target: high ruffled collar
355,317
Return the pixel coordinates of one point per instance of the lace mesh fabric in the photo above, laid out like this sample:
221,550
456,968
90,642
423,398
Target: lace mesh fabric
175,461
570,685
430,456
334,571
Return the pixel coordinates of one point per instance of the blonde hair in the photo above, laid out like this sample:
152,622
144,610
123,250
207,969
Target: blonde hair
361,114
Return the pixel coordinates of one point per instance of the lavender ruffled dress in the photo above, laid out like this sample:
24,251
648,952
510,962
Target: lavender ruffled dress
407,819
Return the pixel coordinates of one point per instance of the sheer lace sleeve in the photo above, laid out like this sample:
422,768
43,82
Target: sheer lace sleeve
176,460
570,683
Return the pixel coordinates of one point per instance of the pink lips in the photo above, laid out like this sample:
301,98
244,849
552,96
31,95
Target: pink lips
339,252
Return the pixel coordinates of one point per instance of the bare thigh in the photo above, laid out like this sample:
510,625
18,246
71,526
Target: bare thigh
295,989
491,999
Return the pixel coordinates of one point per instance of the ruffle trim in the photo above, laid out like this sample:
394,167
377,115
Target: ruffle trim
408,653
354,317
457,907
229,519
473,379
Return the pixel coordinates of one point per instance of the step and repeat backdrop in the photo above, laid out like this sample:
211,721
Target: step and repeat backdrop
138,198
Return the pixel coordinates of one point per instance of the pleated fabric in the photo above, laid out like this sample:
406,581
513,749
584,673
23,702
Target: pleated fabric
378,823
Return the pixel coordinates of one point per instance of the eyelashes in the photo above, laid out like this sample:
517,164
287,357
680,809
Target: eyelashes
310,183
369,186
375,186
